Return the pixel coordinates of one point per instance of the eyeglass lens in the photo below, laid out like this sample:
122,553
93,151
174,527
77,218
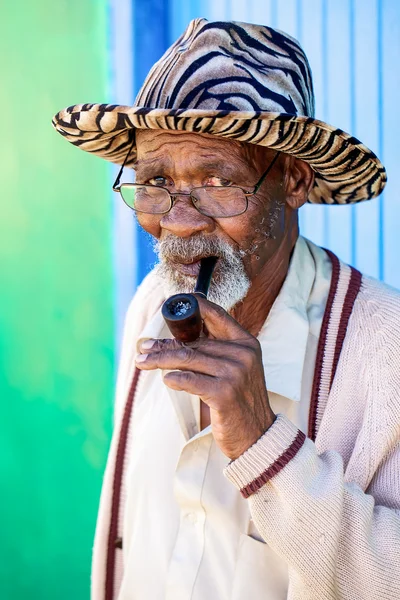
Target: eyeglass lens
211,201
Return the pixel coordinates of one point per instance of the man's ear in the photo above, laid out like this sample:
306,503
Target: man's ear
299,180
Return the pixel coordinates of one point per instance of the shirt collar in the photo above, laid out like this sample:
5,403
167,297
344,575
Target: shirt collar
284,335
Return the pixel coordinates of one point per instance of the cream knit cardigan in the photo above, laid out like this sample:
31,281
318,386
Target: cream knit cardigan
332,512
330,508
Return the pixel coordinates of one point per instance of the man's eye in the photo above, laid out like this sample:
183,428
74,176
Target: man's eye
158,180
219,181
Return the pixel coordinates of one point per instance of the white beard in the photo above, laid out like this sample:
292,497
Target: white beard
229,284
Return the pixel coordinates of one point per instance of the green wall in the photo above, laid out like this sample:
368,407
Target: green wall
56,300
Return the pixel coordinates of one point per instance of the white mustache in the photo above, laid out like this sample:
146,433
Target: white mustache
229,284
174,248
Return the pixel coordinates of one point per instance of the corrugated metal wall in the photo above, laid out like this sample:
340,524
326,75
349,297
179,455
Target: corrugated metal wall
354,51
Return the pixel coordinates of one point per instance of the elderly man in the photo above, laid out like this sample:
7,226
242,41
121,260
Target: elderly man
263,459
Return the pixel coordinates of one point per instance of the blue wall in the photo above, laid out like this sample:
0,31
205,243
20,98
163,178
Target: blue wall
354,50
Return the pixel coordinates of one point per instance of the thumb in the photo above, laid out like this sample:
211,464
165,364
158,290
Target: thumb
219,324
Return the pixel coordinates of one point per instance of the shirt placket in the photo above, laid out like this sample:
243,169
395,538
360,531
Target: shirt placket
189,546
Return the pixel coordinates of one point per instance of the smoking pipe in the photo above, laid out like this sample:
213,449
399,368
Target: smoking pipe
181,312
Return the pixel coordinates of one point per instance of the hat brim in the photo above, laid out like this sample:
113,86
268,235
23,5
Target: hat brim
346,171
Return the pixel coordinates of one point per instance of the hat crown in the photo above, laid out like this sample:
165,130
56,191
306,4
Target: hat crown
231,66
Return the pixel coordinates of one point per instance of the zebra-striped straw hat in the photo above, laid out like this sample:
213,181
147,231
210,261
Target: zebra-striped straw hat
240,81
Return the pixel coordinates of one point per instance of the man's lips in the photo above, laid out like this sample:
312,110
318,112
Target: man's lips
191,268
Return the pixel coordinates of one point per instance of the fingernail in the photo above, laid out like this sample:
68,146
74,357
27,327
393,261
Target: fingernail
147,344
141,358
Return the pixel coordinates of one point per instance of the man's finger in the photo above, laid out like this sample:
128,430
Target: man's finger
207,346
197,384
184,359
147,345
218,323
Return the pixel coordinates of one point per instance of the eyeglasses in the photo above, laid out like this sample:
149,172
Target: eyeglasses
211,201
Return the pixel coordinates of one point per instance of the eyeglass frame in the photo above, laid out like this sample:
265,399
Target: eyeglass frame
117,188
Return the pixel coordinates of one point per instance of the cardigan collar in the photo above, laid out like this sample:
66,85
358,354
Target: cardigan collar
283,337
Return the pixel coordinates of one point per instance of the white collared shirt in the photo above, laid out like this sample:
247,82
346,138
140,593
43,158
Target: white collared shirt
187,532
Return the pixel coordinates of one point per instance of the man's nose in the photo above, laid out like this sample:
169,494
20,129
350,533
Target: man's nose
184,219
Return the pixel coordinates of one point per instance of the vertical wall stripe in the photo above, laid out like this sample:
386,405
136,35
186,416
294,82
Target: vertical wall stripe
299,37
325,105
390,40
179,16
239,10
313,219
274,13
286,16
381,200
181,13
338,90
366,126
125,239
299,21
259,11
197,8
325,66
352,42
216,10
151,39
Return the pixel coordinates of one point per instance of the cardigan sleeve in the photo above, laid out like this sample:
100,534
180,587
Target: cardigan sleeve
337,541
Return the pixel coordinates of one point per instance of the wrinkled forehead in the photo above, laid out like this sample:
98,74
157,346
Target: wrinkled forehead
161,143
151,140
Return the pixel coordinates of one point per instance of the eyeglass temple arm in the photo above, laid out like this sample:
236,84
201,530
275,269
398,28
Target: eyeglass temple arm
259,184
116,182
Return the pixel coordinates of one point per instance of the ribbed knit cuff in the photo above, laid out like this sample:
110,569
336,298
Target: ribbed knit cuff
269,455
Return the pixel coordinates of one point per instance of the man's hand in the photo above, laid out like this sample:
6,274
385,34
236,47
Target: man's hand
225,370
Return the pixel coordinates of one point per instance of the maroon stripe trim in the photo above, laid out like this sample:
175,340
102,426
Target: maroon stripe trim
351,295
276,466
321,345
117,484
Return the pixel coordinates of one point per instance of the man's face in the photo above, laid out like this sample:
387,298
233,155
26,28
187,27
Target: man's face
180,161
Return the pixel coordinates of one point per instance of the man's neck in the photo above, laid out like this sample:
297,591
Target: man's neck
253,311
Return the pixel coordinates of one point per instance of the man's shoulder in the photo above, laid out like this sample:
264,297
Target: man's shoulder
149,288
370,365
377,313
379,298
